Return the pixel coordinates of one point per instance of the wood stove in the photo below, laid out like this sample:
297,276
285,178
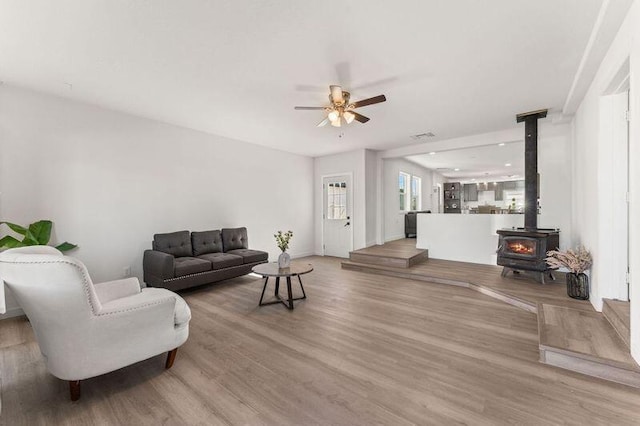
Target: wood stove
520,249
525,249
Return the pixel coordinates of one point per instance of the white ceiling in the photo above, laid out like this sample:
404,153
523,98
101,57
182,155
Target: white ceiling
481,164
237,68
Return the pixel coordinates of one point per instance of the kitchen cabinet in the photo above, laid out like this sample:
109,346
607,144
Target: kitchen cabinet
452,197
470,192
499,191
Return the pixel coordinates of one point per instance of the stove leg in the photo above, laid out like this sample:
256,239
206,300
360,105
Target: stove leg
542,274
505,271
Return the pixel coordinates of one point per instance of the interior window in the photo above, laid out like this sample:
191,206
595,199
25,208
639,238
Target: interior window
403,189
416,193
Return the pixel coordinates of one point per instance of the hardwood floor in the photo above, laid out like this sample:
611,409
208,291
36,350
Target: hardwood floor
520,290
361,349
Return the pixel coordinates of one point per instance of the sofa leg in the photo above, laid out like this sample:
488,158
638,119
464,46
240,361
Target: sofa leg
74,389
171,356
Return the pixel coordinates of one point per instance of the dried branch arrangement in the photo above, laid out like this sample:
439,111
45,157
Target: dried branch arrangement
577,261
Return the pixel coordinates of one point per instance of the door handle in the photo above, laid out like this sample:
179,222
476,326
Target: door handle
347,224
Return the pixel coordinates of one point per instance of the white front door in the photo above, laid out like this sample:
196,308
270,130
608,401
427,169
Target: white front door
337,224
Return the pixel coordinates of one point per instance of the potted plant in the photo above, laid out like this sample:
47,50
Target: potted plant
282,240
577,262
36,234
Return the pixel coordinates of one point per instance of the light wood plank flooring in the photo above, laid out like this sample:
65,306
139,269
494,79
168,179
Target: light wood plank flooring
362,349
520,288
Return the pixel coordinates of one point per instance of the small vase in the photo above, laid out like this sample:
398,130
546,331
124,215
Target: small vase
578,286
284,260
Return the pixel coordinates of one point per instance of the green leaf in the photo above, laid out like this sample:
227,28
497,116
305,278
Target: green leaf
41,231
30,239
15,228
10,242
66,246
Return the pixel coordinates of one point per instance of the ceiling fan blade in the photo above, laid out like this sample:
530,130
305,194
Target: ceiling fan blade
308,108
359,117
370,101
336,94
323,123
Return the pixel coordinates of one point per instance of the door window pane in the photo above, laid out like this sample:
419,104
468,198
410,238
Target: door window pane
337,201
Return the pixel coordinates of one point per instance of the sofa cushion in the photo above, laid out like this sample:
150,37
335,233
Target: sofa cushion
222,260
175,243
234,238
250,256
206,242
190,265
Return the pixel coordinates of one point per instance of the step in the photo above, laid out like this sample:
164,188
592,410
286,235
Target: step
585,342
617,312
375,256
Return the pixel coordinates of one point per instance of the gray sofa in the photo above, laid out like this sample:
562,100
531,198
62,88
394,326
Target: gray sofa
181,259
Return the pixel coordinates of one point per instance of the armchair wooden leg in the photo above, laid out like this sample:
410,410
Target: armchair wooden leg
74,389
171,356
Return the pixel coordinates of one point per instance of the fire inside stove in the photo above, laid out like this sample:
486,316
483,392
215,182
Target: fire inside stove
522,247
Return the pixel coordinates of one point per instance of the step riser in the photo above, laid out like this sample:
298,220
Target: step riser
379,260
590,368
617,323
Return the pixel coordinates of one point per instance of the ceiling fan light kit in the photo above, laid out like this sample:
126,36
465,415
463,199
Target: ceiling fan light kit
340,107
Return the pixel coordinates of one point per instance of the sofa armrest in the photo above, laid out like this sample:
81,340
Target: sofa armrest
158,265
112,290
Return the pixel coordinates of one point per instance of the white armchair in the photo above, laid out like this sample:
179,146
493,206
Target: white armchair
85,330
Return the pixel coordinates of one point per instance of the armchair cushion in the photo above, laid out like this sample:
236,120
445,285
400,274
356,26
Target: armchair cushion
190,265
206,242
250,256
222,260
177,244
234,238
112,290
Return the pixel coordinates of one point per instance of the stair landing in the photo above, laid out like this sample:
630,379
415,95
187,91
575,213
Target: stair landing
584,342
394,254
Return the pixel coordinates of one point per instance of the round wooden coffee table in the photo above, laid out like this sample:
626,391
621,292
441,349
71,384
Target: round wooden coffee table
268,270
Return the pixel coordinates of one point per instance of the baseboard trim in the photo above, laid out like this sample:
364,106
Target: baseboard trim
12,313
303,254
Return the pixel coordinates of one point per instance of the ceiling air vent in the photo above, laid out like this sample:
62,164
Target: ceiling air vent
422,136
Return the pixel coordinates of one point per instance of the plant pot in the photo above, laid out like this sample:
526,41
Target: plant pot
284,260
578,286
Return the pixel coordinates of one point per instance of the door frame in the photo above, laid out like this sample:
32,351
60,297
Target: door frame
322,207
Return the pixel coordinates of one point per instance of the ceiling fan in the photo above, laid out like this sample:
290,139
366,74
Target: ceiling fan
340,107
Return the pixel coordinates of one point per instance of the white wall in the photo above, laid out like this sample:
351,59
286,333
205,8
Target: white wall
594,172
393,216
109,181
595,165
633,22
371,189
348,162
556,185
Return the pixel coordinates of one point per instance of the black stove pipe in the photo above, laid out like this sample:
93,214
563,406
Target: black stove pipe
531,166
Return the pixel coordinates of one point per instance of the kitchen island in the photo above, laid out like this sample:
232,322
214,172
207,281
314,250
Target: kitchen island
463,237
